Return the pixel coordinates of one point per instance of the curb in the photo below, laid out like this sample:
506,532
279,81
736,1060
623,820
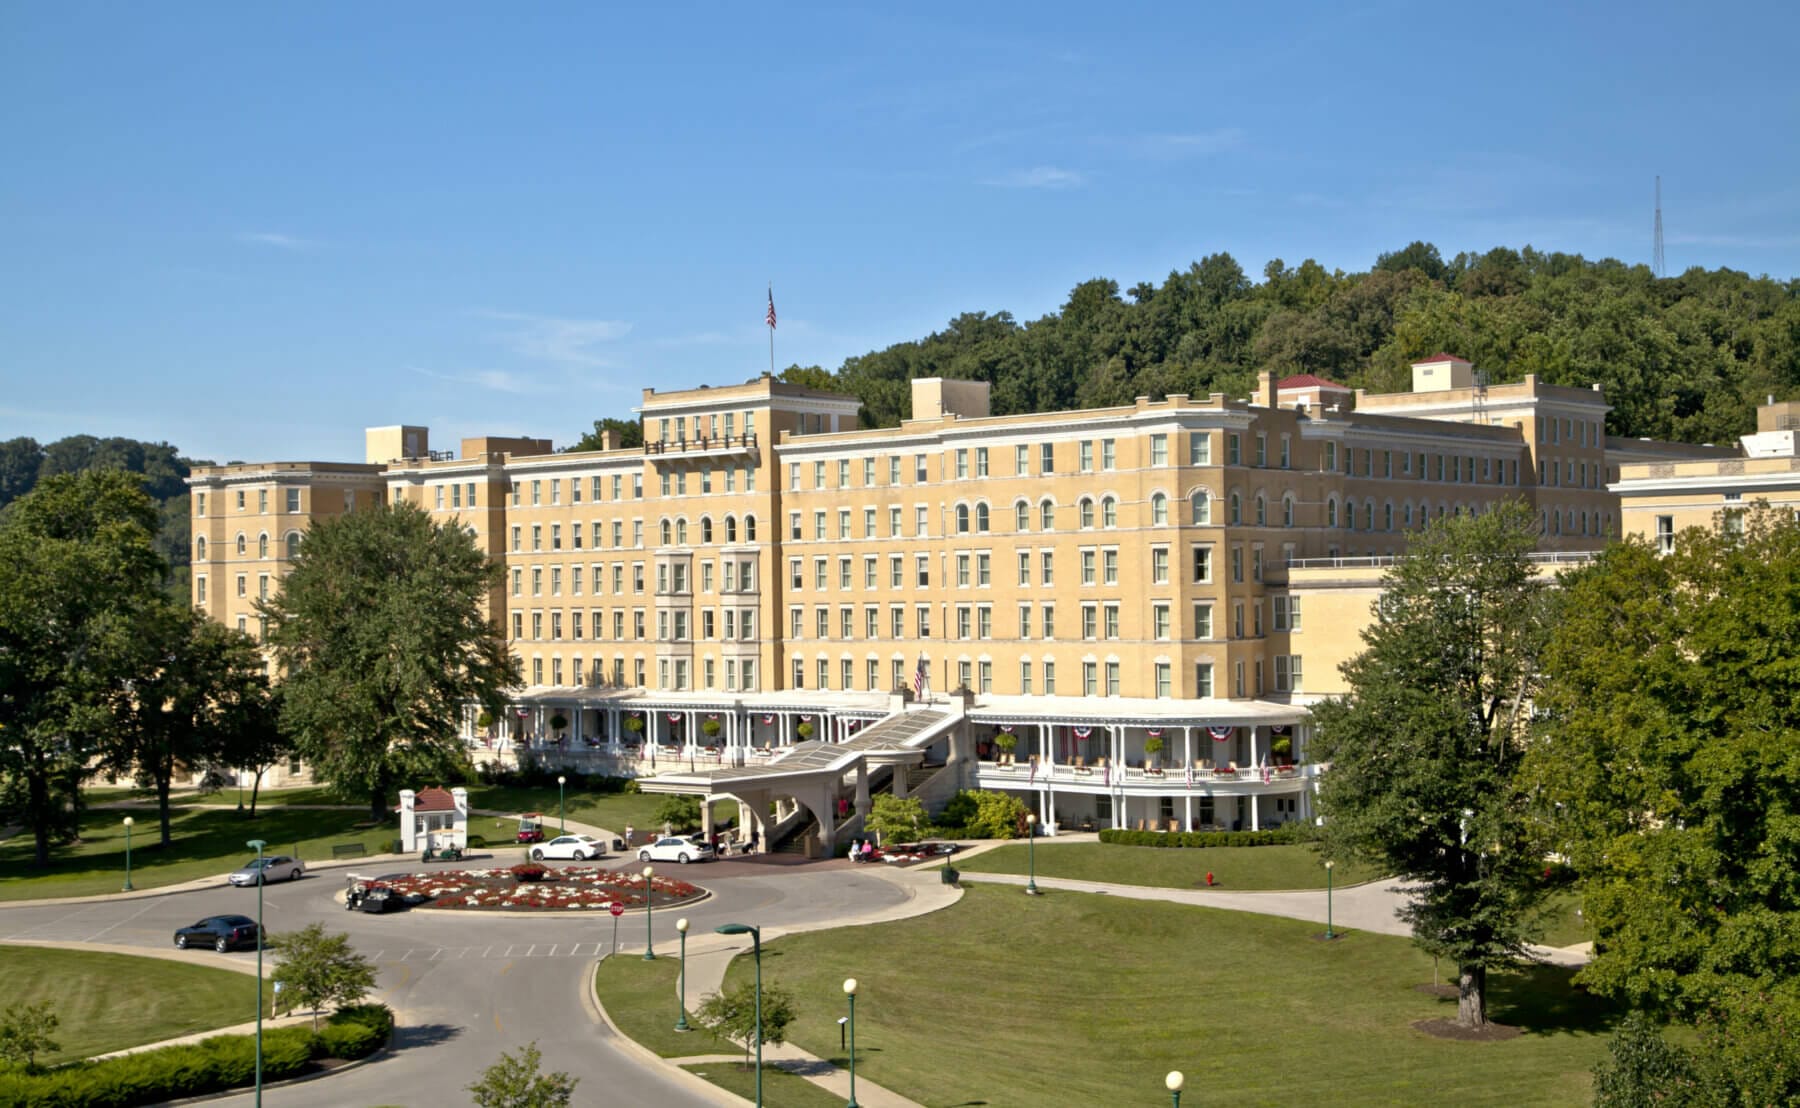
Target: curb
694,1082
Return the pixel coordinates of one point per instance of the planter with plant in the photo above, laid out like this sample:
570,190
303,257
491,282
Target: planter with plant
1282,749
1006,744
1153,747
805,730
635,725
711,728
557,723
485,720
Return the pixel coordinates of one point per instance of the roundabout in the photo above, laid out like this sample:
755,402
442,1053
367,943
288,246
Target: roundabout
534,887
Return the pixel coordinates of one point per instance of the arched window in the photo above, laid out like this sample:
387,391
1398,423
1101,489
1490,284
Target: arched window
293,544
1022,516
200,549
1109,512
681,531
749,528
962,519
981,517
1237,508
1406,516
243,545
730,528
1331,512
668,533
1287,511
1085,512
1201,513
1262,511
1047,515
1387,516
706,529
262,545
1349,513
1159,510
1369,515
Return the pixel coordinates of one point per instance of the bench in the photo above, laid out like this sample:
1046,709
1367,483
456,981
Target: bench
349,850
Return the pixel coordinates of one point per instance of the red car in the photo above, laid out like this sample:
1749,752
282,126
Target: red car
531,828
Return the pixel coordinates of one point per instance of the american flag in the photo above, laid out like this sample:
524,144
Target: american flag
770,318
918,673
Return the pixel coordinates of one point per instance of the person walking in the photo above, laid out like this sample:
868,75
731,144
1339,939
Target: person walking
628,833
755,837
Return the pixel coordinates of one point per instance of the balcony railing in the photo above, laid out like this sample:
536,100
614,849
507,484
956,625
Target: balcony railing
702,445
1168,777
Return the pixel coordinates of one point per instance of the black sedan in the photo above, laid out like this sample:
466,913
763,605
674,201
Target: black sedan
219,932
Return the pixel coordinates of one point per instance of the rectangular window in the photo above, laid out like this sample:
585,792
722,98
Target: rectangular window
1199,450
983,570
1024,621
1046,458
1109,567
1262,449
1087,567
1159,450
919,468
1287,673
1050,685
1111,614
923,561
962,463
1025,678
1049,618
1162,681
1330,463
1159,565
1085,457
1233,450
1090,621
1047,568
894,470
1021,460
1112,679
819,572
1202,565
1108,455
923,614
1159,620
1024,567
1090,678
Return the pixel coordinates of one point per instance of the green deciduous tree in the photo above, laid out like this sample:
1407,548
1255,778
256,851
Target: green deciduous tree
316,969
679,812
985,814
1668,762
516,1081
626,434
732,1013
897,819
76,570
195,699
382,639
1426,748
25,1033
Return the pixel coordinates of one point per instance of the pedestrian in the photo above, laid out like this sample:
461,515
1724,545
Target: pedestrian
628,834
755,837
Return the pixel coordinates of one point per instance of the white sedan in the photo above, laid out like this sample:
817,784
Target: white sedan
675,848
577,847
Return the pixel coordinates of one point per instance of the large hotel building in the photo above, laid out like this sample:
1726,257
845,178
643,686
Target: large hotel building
1133,605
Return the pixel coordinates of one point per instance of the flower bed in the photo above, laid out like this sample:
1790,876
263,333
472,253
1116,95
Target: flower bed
570,889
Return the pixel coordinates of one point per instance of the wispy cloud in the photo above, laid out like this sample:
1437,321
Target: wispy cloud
1186,144
276,239
1038,177
496,380
568,342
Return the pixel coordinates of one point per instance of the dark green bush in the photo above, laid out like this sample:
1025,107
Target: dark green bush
1286,833
211,1065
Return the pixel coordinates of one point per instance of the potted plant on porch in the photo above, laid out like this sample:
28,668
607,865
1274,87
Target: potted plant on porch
1153,746
1282,749
711,728
1006,743
635,725
557,723
805,730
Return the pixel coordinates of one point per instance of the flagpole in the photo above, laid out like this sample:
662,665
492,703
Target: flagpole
771,328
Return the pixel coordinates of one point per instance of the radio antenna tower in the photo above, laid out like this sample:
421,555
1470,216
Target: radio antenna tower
1656,261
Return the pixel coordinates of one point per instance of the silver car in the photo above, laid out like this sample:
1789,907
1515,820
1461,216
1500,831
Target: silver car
275,867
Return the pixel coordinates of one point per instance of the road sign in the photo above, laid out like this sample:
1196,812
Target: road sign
616,908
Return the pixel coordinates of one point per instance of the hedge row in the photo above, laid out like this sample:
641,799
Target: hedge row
1275,836
209,1066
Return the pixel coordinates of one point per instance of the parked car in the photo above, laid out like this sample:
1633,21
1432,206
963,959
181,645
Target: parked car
275,867
219,932
676,848
578,847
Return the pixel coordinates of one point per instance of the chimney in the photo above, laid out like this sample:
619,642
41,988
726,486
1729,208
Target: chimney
1265,389
606,440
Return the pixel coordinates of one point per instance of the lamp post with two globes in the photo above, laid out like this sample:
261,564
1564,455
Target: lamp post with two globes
755,934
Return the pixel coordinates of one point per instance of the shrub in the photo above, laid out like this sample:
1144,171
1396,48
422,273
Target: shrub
529,871
981,814
349,1040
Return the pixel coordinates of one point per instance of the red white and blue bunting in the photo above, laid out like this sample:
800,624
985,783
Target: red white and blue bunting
1220,734
1007,727
1082,732
1154,732
674,717
768,719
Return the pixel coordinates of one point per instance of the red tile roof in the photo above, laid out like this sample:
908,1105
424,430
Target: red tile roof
1308,381
1443,357
434,800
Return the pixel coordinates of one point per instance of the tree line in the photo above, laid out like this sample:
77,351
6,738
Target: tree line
1686,358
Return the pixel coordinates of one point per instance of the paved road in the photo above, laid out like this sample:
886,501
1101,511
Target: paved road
467,986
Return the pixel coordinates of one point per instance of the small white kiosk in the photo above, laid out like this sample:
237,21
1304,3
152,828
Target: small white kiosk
435,818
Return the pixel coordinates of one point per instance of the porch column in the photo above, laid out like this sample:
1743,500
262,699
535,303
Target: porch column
706,817
901,772
1050,799
1255,811
1254,760
1187,810
1187,748
1121,810
862,787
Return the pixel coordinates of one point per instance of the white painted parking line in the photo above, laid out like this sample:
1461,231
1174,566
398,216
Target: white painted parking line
407,955
376,957
490,950
508,953
552,953
464,952
529,949
436,954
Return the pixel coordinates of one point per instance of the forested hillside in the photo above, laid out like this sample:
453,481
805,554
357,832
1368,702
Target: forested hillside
1685,357
24,462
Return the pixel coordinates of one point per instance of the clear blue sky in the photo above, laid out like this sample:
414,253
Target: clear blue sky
253,230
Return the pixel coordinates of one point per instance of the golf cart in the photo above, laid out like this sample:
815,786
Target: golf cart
371,896
531,828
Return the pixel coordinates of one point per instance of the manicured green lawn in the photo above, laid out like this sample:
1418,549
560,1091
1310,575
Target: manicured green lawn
107,1002
779,1086
640,997
1564,925
1078,999
609,810
1233,867
206,842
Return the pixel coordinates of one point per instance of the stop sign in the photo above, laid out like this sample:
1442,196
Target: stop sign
616,908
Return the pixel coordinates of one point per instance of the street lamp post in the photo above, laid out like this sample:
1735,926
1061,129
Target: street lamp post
649,909
258,845
850,992
239,774
1174,1082
562,822
127,854
681,926
1031,888
1328,868
755,934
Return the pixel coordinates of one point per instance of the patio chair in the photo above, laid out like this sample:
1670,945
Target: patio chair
1174,825
1140,826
